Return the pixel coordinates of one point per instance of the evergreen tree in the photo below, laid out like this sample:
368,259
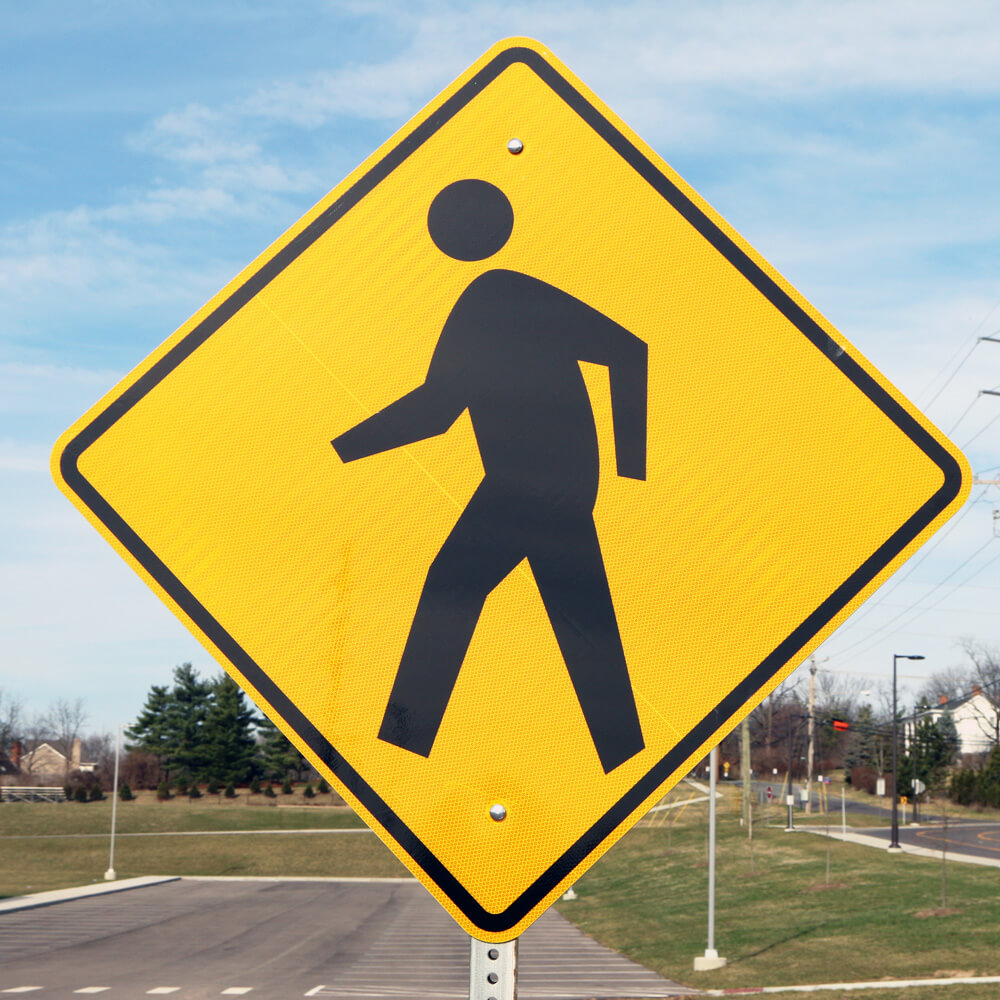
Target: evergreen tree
228,746
149,732
189,705
171,722
864,748
931,753
949,739
279,756
987,784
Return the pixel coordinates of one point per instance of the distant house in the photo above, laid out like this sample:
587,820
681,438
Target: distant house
45,765
976,718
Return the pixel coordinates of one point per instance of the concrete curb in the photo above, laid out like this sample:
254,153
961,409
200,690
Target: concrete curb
82,892
918,852
881,984
299,878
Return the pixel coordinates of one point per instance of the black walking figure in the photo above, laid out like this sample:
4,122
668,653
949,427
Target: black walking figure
509,353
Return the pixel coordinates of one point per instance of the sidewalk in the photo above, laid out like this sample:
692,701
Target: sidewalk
82,892
866,840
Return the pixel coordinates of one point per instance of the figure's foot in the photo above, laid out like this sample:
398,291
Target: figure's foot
401,729
616,752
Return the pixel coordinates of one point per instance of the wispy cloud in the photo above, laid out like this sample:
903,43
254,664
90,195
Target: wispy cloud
29,389
18,457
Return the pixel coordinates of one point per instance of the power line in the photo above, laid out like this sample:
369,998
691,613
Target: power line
965,413
890,586
980,431
918,605
947,381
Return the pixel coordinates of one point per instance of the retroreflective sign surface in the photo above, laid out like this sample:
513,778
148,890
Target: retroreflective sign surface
509,477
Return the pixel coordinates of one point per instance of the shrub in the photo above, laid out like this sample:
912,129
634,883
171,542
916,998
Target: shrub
125,793
286,787
96,795
163,791
308,792
213,787
80,794
255,787
323,788
194,792
182,786
269,791
230,791
68,791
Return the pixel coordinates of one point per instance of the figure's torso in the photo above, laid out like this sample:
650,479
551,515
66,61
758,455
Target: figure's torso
509,343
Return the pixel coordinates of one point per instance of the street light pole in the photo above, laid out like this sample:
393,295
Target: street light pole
894,840
110,875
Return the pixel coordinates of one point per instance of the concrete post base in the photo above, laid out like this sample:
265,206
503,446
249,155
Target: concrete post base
110,875
709,961
895,850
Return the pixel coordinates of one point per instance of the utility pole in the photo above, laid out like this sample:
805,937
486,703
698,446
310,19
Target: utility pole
790,791
746,771
812,735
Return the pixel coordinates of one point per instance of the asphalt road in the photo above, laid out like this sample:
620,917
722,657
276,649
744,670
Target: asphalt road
980,840
273,940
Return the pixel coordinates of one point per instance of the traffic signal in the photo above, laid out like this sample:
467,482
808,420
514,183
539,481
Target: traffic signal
842,724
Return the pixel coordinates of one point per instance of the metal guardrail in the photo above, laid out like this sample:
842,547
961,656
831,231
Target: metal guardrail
24,793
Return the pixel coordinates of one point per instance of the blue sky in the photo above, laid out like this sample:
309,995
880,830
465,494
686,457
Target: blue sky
148,151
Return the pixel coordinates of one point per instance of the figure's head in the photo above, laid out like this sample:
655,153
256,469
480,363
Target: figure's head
470,220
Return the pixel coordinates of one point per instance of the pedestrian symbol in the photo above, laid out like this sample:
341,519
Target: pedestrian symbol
514,602
509,353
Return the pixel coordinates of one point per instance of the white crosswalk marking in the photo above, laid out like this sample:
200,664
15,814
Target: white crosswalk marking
21,989
93,989
236,991
163,989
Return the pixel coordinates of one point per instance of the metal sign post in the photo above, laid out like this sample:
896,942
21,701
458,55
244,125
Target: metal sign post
711,960
110,875
492,970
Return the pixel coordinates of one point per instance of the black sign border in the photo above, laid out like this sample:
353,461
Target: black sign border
498,923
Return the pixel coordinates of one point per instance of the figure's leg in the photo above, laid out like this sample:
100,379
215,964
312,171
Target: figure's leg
475,557
574,588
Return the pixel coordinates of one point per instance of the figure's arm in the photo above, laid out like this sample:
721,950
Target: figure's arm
629,379
604,342
425,412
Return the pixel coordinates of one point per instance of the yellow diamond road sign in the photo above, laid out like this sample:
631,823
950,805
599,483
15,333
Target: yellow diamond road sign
507,482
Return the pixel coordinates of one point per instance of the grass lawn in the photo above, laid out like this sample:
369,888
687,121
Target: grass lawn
985,991
41,846
776,919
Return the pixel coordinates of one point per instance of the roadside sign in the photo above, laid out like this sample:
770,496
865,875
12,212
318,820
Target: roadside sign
770,793
435,479
918,787
880,786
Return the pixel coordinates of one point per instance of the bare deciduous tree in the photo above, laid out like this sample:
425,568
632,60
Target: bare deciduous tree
950,683
984,679
34,733
10,721
66,719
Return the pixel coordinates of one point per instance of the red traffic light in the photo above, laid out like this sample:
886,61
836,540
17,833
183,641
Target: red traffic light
842,724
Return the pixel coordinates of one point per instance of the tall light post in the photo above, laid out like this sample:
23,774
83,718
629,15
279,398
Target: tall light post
894,842
111,874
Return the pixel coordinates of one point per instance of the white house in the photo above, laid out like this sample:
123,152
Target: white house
976,718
